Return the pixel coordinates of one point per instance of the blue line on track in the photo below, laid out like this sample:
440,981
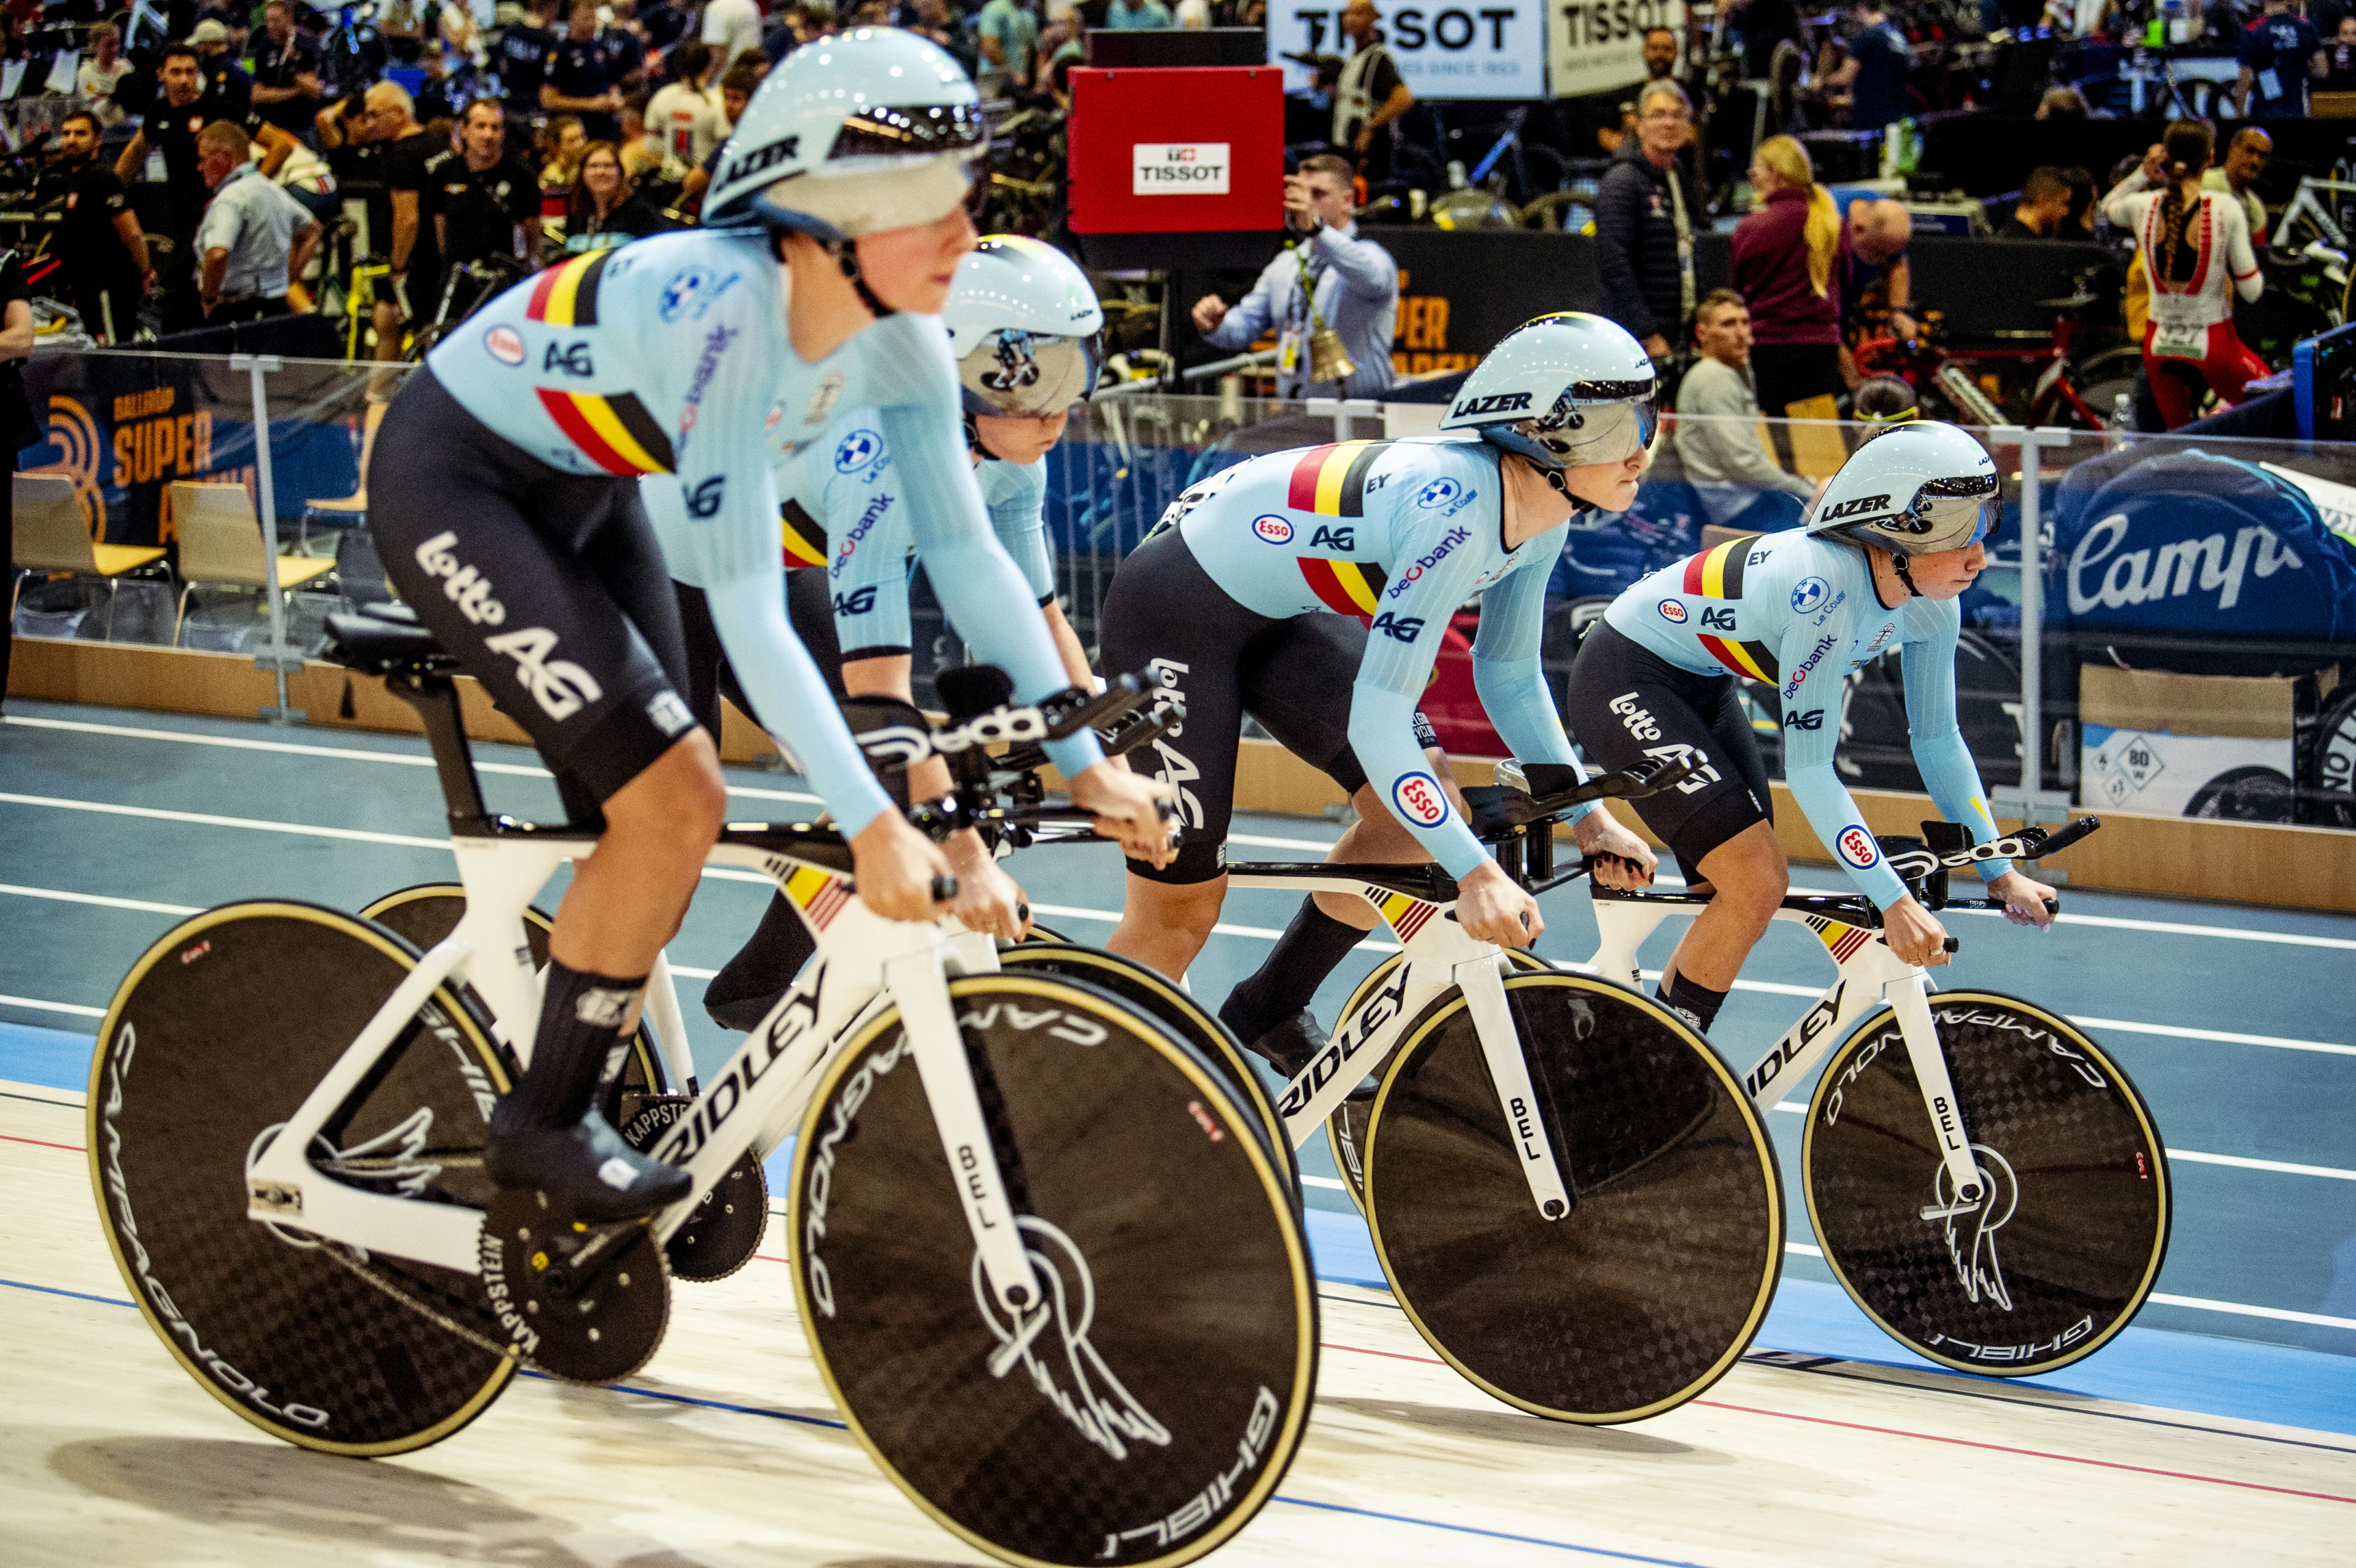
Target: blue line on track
1491,1534
76,1295
711,1403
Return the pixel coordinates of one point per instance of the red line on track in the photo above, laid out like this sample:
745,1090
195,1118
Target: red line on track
1930,1437
37,1143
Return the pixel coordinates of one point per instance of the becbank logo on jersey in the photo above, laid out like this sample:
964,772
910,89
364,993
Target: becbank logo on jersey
706,367
1426,562
856,451
1673,612
1419,800
859,530
2145,577
1808,593
504,343
1438,492
1856,847
1272,528
1824,646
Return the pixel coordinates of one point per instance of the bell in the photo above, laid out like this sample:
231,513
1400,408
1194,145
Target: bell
1328,361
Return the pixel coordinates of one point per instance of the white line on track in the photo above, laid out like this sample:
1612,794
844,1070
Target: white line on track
2191,1157
145,906
2201,1304
206,819
41,1006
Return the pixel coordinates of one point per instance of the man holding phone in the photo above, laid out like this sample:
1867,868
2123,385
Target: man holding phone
1353,282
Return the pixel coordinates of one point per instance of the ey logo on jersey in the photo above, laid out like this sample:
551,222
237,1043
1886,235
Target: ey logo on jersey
857,450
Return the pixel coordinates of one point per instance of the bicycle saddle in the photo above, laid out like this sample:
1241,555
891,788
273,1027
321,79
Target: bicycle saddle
385,639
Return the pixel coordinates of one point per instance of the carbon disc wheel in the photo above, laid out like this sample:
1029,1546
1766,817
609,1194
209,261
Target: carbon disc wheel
1345,1129
1655,1282
213,1041
1141,987
2059,1254
1154,1414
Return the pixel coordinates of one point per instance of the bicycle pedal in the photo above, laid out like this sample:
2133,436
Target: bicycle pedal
724,1230
587,1302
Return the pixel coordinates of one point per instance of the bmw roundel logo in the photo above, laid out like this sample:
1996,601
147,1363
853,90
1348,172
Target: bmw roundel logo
1438,492
1809,593
857,450
1673,612
681,289
1857,847
1273,528
504,343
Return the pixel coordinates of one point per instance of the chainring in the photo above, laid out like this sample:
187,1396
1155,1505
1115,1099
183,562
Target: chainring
584,1302
726,1228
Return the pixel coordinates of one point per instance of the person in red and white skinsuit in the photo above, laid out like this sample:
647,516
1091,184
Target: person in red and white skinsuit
2196,254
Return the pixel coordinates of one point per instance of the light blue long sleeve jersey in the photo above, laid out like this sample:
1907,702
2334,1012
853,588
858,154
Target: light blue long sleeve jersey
844,511
1397,534
1800,612
671,358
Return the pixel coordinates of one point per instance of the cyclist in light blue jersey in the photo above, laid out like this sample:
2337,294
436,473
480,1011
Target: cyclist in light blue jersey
1311,590
1888,547
508,515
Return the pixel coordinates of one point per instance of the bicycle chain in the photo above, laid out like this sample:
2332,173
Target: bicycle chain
480,1341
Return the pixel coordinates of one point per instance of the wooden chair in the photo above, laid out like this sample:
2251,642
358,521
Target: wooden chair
220,542
350,511
51,537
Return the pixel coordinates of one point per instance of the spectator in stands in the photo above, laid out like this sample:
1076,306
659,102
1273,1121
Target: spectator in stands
1647,210
253,237
402,30
102,72
606,208
626,47
18,428
485,202
561,143
1788,264
2043,207
1880,231
662,24
1875,72
2280,54
733,27
411,252
2339,60
2246,156
454,24
1717,424
171,127
578,81
1886,400
1121,16
736,89
524,46
1009,36
99,242
286,90
683,122
930,18
1060,40
2065,104
1353,283
1763,24
225,79
1370,96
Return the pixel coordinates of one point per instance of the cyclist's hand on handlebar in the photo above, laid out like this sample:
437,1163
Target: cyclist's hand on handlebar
1599,834
988,899
1492,908
1914,935
894,866
1131,807
2025,900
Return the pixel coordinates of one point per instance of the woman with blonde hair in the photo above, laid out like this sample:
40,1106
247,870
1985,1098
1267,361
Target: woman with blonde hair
1790,254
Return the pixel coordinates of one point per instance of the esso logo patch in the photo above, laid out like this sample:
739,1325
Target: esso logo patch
1272,528
1809,593
1856,847
1438,492
504,343
1420,801
1673,611
857,451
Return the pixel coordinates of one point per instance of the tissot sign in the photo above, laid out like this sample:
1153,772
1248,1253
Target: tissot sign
1597,46
1481,49
1178,168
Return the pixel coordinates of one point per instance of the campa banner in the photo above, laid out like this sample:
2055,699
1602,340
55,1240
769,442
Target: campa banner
1598,45
1481,49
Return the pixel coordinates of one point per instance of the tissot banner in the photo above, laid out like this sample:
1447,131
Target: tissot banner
1481,49
1597,46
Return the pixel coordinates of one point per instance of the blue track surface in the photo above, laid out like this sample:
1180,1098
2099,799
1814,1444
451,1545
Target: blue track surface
2262,1151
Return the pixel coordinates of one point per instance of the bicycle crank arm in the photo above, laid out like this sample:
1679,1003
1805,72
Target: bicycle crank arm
1501,1048
1908,998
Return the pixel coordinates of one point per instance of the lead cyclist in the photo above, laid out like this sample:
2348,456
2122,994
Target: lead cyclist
1890,544
1313,589
508,515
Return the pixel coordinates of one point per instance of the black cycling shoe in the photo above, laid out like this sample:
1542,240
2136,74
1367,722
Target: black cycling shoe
743,1014
605,1178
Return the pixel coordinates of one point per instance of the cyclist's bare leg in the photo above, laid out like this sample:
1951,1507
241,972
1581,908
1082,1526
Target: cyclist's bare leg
627,899
1378,838
1750,876
1165,924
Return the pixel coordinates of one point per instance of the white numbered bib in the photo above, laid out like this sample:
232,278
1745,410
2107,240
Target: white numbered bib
2178,342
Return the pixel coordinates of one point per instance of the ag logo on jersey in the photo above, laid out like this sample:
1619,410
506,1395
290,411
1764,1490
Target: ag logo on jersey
857,450
1856,847
1418,800
1673,612
1438,492
1272,528
1809,593
504,343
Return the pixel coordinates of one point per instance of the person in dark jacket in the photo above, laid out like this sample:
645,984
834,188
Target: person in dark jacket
1647,211
1790,254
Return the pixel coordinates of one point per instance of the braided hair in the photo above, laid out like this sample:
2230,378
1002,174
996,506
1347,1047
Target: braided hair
2187,146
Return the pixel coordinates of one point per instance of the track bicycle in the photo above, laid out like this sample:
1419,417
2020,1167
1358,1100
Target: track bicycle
1052,1273
1985,1182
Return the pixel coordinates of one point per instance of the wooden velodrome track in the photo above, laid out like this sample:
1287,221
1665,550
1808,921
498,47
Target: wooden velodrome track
2170,1446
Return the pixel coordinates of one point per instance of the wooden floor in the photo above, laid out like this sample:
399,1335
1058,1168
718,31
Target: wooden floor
725,1450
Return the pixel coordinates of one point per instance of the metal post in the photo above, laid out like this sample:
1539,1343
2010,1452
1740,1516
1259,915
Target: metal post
2031,802
277,658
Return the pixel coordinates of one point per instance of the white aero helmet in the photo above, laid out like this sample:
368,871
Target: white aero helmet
1915,489
1562,391
1025,327
865,131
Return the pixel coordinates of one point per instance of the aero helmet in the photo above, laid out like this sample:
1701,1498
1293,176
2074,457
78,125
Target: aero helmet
1563,390
1915,489
865,131
1025,327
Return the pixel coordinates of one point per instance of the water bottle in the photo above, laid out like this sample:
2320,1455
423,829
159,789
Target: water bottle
2123,413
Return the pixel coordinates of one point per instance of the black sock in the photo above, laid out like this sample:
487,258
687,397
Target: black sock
1696,1004
1307,952
767,963
579,1045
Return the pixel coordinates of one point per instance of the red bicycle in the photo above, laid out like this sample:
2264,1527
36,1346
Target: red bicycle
2073,376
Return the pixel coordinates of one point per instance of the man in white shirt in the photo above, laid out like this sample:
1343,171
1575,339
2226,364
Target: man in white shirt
732,27
2246,156
253,236
1717,430
683,123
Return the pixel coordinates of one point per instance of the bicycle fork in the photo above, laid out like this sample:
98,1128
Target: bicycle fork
1908,998
1482,983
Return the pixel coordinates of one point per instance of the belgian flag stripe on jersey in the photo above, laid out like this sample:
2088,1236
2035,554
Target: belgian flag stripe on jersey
567,295
1756,660
616,434
1331,481
805,536
1351,587
1717,573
